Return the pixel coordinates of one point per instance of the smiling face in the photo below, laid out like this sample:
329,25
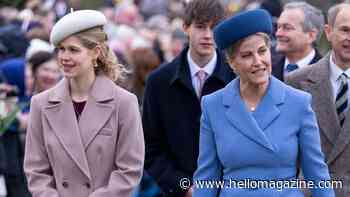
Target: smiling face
291,37
252,60
74,59
47,75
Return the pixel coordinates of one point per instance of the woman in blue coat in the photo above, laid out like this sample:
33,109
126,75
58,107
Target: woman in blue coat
256,128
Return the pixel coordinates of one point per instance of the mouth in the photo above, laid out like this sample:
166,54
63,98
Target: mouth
281,40
346,46
206,44
259,71
49,81
67,67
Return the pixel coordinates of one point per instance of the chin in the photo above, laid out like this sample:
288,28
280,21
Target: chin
261,81
69,75
207,52
281,48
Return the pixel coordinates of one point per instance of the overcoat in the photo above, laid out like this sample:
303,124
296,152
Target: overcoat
171,114
335,140
100,155
237,145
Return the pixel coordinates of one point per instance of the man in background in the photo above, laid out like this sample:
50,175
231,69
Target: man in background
298,28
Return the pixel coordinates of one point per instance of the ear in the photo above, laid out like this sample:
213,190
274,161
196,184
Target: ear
313,35
97,51
328,31
186,28
231,62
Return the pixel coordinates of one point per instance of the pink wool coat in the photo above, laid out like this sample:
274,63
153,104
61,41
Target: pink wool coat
102,155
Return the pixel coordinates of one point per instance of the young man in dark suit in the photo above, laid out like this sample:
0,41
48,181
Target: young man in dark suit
171,109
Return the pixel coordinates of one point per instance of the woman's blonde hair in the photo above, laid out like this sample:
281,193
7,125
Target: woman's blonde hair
107,62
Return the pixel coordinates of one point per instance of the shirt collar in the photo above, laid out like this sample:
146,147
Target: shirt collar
335,70
304,61
208,68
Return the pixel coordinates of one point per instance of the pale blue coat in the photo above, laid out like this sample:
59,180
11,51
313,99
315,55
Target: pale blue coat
265,145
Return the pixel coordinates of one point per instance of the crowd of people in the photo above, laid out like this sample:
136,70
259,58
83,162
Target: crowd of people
132,97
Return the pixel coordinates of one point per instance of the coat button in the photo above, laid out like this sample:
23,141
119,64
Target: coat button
87,185
65,184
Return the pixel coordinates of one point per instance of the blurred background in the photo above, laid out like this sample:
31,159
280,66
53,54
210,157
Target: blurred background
142,33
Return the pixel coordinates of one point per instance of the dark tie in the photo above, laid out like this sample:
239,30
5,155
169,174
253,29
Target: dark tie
292,67
341,101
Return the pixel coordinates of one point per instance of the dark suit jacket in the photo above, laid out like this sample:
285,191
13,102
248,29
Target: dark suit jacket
335,140
171,114
278,64
2,157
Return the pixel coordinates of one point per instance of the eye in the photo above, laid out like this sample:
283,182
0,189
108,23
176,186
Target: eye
262,50
74,49
285,27
200,26
58,50
345,29
245,55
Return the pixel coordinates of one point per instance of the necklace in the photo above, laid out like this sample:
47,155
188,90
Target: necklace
250,106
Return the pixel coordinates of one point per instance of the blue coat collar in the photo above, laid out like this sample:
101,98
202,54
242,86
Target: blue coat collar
253,124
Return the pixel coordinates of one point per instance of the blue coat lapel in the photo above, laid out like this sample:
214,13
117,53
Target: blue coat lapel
253,126
268,110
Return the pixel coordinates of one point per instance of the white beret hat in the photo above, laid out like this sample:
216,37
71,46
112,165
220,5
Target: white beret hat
75,22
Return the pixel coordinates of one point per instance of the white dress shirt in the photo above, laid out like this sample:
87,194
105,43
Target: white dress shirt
301,63
194,68
335,72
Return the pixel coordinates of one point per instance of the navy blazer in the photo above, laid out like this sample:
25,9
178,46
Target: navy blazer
171,119
236,144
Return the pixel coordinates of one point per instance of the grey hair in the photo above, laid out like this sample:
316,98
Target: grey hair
313,17
334,10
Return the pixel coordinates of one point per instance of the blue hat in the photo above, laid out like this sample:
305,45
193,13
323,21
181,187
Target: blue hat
240,26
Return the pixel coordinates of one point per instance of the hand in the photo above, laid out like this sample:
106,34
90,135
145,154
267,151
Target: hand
189,192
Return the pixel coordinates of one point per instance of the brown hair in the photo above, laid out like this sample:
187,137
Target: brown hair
107,62
203,11
38,59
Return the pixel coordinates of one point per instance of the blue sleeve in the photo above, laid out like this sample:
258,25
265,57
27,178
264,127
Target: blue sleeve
209,166
312,159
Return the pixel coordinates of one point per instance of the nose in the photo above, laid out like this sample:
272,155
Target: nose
279,31
347,36
208,33
257,60
63,55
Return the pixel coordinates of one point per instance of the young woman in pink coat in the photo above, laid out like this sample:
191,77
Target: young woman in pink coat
84,136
